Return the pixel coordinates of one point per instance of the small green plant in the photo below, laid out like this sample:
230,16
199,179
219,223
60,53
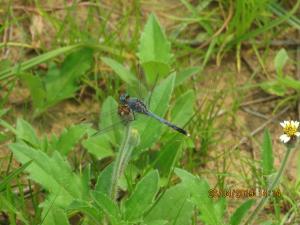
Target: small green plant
57,84
136,173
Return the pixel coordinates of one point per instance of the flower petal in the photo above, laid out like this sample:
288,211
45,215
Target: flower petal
296,124
282,124
284,138
297,134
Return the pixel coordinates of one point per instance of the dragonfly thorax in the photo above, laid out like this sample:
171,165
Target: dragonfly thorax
134,104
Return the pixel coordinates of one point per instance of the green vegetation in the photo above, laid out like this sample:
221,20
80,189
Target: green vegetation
226,71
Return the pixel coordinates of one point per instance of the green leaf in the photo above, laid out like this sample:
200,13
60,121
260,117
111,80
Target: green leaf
7,179
280,60
54,215
156,222
25,132
108,206
53,173
274,87
183,109
241,211
99,146
143,196
183,75
267,154
64,85
220,208
85,180
154,50
87,208
121,71
174,206
149,127
289,82
36,88
199,191
70,137
4,74
7,206
168,155
110,122
104,180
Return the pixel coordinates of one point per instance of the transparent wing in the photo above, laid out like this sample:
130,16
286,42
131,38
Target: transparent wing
110,122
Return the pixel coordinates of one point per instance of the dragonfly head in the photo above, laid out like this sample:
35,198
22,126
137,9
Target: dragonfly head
124,98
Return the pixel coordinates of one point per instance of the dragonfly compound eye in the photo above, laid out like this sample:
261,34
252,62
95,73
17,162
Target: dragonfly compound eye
124,98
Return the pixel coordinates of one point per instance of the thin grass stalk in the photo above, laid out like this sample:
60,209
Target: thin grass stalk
271,187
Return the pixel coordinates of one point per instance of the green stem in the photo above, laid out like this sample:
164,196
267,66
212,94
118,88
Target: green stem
270,188
122,159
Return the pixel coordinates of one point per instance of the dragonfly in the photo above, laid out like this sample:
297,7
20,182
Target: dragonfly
129,109
129,106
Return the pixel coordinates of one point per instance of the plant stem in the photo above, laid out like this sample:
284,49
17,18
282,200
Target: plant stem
270,188
128,143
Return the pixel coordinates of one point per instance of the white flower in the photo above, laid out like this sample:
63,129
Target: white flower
290,131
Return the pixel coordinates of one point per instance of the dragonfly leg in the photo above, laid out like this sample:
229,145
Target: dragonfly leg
133,116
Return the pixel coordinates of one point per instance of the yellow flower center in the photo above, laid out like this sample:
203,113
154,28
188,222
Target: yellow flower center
290,130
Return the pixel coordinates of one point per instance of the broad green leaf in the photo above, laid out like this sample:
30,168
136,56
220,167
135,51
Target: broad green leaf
199,191
53,173
183,75
25,132
7,179
183,109
70,137
241,211
220,208
142,197
37,89
108,206
64,86
280,60
154,50
161,96
168,155
289,82
54,215
155,70
103,184
134,86
267,154
174,206
149,127
99,146
274,87
121,71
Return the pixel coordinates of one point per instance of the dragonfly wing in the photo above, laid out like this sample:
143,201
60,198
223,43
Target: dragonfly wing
108,119
111,122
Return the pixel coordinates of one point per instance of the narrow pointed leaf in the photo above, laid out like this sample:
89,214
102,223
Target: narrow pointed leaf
267,154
